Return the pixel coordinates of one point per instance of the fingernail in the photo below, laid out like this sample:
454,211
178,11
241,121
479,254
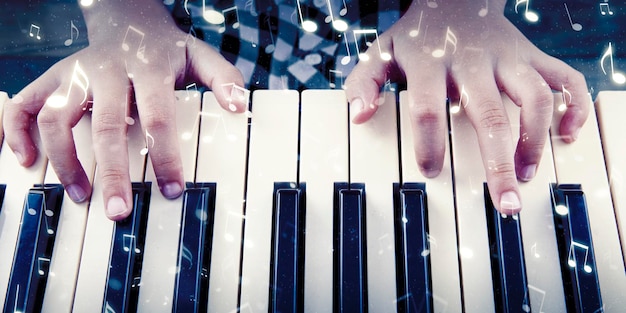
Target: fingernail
430,172
528,172
76,193
116,207
20,157
575,134
357,105
171,190
509,202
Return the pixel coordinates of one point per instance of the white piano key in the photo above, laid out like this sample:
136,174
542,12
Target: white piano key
473,241
18,181
68,245
374,161
582,162
163,228
91,282
222,159
3,98
611,112
273,158
441,220
540,249
323,161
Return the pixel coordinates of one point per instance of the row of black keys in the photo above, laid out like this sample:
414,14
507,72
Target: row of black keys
41,216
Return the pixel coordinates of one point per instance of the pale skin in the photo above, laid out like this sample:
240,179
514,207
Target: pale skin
428,79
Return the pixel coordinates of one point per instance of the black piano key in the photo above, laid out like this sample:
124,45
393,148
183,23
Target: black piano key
31,262
191,289
350,252
413,275
287,258
578,262
508,267
2,189
125,259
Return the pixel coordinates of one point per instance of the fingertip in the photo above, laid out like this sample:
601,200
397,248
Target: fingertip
77,193
510,203
171,190
117,209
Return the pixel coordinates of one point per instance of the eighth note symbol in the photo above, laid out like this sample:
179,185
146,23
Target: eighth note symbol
73,28
149,139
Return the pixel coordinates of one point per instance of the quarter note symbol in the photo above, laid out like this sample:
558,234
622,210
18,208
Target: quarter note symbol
307,25
617,77
450,38
346,59
269,49
575,26
530,16
73,29
34,31
605,9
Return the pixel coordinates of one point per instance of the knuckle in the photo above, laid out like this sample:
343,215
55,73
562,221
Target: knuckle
112,177
48,120
107,123
425,115
501,170
493,118
157,118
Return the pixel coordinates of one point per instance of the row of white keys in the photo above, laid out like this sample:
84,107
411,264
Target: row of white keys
18,181
441,220
611,112
582,162
68,245
163,229
323,161
92,275
545,285
374,162
222,159
272,158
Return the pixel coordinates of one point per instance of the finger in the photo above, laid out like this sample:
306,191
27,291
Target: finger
20,112
529,91
156,111
562,77
427,106
489,119
213,70
109,130
363,84
55,126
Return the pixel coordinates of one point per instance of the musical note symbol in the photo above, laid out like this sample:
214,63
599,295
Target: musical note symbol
534,252
130,239
48,214
344,10
451,38
169,78
333,76
79,78
236,93
41,262
191,87
191,35
185,7
73,28
231,16
384,241
346,59
571,256
32,33
366,33
566,96
307,25
432,3
270,48
338,24
416,32
575,26
149,139
530,16
617,77
605,9
187,256
250,3
484,10
212,16
141,48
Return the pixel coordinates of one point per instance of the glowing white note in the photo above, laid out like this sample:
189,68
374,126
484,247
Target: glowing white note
130,239
141,48
149,141
211,15
43,265
338,24
34,31
79,78
333,77
432,3
307,25
530,16
191,87
231,17
73,29
450,38
605,9
571,256
271,47
617,77
484,10
346,59
365,33
236,93
575,26
416,32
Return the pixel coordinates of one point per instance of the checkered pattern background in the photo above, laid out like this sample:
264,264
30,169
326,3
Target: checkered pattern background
266,42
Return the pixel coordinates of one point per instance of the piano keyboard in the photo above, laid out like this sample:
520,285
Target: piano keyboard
294,209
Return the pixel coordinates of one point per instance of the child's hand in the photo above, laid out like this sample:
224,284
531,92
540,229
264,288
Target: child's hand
136,52
481,54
